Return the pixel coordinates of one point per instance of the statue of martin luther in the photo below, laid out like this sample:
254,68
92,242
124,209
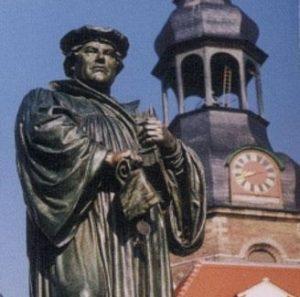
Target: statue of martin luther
109,191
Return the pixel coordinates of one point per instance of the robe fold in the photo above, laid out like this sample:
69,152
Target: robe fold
79,241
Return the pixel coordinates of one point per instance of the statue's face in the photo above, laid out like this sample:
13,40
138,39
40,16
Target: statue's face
96,63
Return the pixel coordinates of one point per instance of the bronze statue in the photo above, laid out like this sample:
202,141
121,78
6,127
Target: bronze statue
109,191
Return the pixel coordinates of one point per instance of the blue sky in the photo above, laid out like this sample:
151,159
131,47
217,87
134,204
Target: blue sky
30,57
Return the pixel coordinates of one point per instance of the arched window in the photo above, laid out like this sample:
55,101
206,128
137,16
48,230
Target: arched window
263,253
261,256
225,80
193,81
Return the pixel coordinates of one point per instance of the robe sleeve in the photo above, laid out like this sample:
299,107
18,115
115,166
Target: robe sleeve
57,163
186,212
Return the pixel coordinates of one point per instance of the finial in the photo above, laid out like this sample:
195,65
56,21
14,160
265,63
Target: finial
194,2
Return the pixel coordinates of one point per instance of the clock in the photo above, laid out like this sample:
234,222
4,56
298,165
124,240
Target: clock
254,173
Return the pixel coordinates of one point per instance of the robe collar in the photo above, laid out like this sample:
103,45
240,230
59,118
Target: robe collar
77,88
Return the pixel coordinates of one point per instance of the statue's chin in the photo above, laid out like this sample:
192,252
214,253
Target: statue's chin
97,84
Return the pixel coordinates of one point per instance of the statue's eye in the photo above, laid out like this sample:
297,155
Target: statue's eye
90,49
109,52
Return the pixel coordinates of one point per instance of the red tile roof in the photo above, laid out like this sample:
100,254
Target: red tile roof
212,279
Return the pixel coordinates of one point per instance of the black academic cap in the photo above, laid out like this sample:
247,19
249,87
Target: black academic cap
86,34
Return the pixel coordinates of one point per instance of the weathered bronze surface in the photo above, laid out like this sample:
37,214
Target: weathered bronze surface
109,192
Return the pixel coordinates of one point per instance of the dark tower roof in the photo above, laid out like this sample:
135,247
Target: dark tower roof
195,19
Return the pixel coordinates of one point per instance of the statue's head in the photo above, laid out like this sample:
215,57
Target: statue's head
94,55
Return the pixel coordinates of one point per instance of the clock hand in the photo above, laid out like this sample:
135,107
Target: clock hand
258,173
249,173
244,174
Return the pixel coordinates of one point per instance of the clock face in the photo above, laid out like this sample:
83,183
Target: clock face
254,172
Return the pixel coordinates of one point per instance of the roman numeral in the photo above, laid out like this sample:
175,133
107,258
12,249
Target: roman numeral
241,161
261,188
265,163
267,185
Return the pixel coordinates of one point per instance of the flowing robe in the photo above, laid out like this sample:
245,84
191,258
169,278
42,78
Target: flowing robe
79,241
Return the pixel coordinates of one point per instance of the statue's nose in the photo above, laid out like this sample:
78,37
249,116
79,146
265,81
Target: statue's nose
100,57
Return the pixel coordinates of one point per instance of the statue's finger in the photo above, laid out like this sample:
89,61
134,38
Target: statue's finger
151,135
155,133
153,121
125,154
151,130
137,156
153,126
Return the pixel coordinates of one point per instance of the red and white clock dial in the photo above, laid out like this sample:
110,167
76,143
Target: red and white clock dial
254,172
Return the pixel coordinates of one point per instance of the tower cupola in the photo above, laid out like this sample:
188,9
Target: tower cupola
207,48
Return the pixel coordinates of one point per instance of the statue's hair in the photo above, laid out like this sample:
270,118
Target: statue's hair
70,61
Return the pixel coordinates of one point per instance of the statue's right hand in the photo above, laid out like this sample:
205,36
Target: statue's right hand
113,158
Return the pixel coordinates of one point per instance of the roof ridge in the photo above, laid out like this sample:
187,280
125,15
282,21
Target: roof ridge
189,279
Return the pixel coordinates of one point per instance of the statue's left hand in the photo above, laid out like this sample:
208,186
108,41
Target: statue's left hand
154,132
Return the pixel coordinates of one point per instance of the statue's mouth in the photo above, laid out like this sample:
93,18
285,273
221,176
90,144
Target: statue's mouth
100,69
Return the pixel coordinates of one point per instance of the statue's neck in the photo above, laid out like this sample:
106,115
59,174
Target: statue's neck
104,89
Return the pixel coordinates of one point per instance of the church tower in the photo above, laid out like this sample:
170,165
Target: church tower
207,52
